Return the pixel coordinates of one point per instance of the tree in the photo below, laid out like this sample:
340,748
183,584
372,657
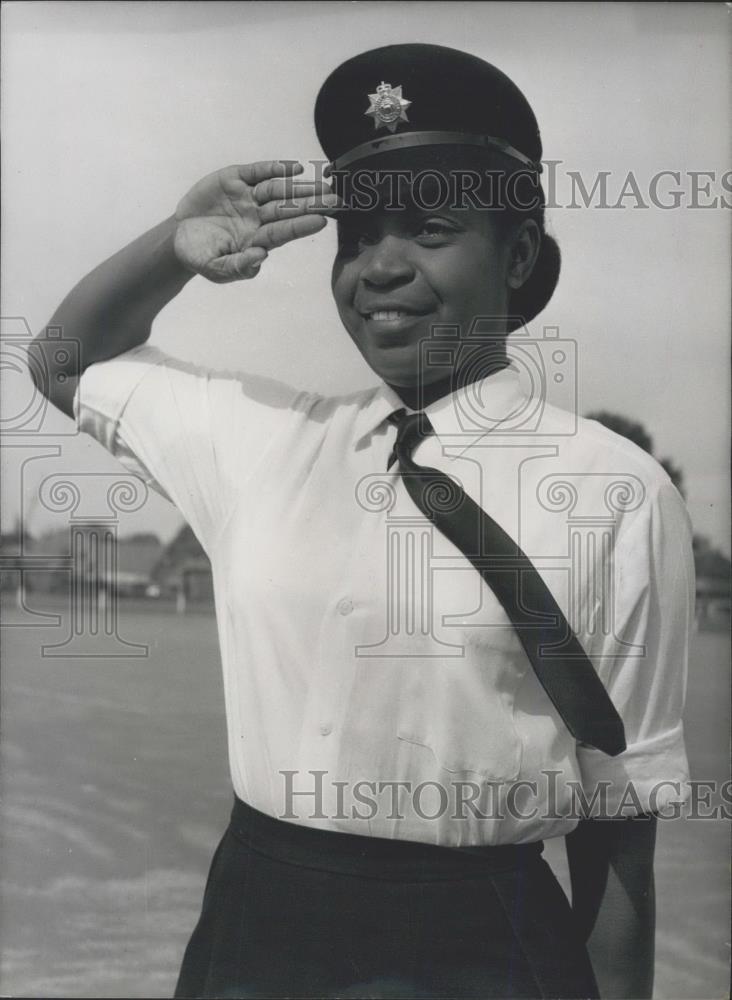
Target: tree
710,562
183,550
630,429
675,474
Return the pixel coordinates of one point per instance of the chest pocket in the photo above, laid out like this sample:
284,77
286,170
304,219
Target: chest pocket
460,710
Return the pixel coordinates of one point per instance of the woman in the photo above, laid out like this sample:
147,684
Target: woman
409,714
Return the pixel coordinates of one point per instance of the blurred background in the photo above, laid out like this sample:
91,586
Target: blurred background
114,776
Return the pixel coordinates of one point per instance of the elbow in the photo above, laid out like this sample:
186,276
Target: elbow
54,368
37,364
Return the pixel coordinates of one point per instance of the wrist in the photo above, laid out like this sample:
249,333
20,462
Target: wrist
169,257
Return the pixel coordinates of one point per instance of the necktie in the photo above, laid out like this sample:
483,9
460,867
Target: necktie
567,675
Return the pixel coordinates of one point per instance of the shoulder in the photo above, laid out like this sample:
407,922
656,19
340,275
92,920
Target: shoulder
343,406
271,392
624,481
221,386
591,446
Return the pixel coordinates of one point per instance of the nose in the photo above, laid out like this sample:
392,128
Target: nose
387,263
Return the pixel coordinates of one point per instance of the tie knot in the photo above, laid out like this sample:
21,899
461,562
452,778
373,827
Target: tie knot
411,429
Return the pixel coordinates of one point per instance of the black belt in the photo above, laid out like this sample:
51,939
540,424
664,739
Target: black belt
371,857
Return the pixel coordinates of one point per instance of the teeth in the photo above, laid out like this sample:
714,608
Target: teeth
385,314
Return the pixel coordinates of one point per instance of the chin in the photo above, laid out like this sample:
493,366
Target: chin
401,376
396,366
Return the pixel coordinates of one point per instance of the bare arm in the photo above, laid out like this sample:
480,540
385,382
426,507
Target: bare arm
110,311
223,229
613,897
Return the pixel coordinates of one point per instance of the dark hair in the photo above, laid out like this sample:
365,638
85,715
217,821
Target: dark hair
529,300
520,196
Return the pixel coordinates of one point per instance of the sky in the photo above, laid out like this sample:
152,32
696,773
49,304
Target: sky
111,111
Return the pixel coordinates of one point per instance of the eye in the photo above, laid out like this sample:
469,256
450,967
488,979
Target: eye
434,231
352,240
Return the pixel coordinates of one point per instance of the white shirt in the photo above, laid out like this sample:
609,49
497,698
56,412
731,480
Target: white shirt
360,648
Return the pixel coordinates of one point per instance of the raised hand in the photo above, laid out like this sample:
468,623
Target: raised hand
229,221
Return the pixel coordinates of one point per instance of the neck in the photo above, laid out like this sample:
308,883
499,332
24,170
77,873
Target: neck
418,396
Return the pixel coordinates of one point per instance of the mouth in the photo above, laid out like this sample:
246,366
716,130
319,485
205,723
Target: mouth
391,320
391,327
388,315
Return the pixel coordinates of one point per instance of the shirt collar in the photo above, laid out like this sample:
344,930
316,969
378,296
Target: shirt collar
464,415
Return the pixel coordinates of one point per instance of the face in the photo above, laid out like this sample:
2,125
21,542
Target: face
399,273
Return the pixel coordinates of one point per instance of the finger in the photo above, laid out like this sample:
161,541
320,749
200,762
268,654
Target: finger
238,266
283,189
273,211
253,173
276,234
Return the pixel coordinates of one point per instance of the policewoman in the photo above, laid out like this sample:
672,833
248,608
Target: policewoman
448,611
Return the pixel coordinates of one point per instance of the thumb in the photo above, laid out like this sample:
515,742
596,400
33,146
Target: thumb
239,266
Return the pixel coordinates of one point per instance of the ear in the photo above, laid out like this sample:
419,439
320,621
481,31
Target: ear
523,252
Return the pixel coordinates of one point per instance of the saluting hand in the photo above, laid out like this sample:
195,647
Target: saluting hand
229,221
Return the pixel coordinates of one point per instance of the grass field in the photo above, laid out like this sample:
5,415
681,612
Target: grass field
115,791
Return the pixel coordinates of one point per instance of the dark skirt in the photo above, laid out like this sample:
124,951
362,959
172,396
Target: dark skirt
292,911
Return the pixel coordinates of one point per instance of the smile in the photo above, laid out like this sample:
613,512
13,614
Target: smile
388,314
393,315
388,322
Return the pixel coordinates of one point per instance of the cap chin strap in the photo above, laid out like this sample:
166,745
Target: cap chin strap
406,140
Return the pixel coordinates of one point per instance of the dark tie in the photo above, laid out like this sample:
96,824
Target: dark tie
558,659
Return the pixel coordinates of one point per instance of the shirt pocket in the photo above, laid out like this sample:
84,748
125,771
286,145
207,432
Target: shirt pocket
461,709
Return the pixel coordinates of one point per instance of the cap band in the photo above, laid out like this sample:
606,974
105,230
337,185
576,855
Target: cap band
405,140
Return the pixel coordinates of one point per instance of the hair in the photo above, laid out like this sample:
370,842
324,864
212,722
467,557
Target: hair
533,296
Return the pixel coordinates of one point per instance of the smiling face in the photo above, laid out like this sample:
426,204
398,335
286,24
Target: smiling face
399,273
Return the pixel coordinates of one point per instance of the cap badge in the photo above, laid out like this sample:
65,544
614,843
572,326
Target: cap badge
388,107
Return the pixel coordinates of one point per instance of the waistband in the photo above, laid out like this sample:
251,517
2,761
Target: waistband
371,857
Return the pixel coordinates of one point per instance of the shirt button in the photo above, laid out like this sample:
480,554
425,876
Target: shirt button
326,729
345,607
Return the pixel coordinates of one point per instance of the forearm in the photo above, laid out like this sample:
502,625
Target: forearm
110,311
223,229
611,866
621,945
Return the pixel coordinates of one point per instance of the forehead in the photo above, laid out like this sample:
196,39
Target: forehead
424,179
400,198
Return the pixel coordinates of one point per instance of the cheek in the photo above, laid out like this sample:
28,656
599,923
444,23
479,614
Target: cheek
343,282
477,281
459,280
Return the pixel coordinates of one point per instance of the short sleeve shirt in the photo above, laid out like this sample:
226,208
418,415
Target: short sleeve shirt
373,683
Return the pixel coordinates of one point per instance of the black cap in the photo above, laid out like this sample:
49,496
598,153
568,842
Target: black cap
407,96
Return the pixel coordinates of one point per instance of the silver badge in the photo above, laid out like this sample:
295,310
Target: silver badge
388,107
